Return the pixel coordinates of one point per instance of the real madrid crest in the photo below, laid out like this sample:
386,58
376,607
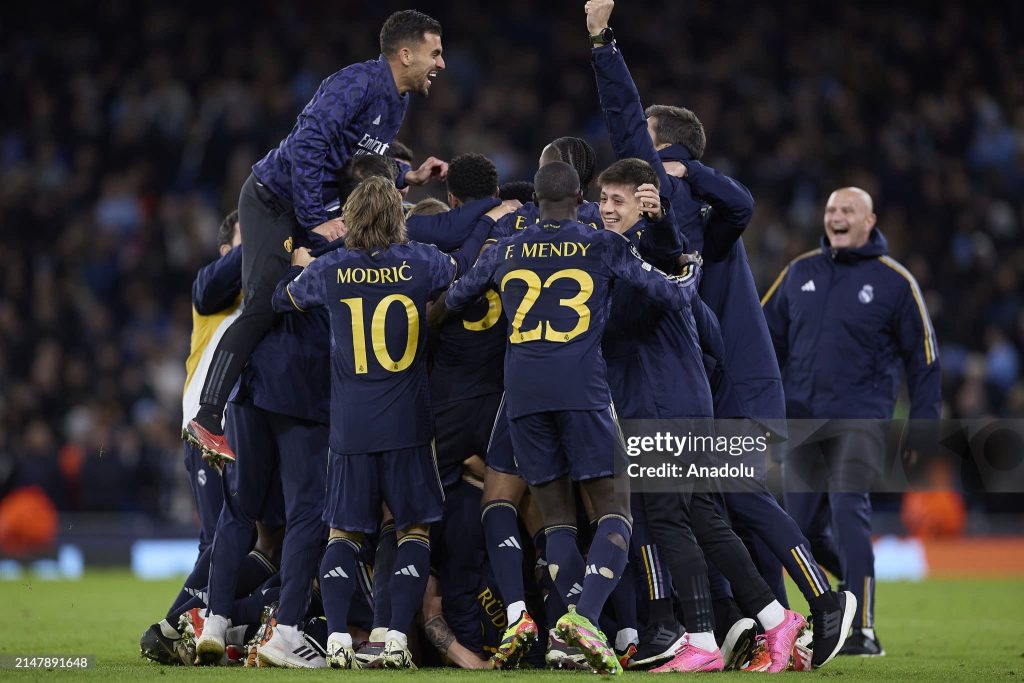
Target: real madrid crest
866,294
288,245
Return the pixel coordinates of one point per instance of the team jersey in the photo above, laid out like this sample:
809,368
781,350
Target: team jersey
216,302
356,110
655,364
528,214
554,280
469,357
377,304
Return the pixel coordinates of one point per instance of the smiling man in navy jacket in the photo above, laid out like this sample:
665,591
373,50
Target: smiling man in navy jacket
844,318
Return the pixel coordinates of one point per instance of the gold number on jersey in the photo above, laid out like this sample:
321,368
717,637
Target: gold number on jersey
533,285
377,336
576,303
492,316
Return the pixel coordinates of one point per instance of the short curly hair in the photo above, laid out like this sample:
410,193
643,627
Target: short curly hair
472,176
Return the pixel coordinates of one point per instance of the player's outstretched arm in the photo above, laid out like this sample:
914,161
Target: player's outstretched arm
467,288
450,229
440,634
620,100
668,291
217,284
732,207
661,243
302,287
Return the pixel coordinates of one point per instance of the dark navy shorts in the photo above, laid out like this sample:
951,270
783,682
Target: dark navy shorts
406,479
462,429
584,444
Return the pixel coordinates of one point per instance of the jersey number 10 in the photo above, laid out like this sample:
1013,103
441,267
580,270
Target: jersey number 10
377,336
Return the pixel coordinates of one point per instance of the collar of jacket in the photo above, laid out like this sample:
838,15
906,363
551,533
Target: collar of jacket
387,77
675,153
876,246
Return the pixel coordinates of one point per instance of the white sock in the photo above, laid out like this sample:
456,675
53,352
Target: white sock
624,637
378,634
168,631
343,639
398,636
288,632
868,632
514,610
705,641
772,615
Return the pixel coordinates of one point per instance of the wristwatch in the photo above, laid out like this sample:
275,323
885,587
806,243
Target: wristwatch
602,37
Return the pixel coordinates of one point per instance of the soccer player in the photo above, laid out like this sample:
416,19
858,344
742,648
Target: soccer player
656,371
746,384
216,302
466,383
503,487
554,278
844,319
576,152
357,110
520,190
376,291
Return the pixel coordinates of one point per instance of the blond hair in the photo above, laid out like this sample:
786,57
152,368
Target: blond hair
373,215
428,207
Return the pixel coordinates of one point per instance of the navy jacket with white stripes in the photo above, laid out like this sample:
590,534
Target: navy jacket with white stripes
844,322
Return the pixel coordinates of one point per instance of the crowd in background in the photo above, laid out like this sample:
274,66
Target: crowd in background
128,129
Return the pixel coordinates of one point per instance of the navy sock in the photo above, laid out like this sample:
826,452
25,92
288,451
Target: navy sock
504,549
338,581
255,569
383,565
606,561
565,564
194,586
409,580
249,609
174,615
316,604
553,607
623,600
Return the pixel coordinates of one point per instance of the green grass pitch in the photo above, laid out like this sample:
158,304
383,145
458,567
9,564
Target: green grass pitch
935,630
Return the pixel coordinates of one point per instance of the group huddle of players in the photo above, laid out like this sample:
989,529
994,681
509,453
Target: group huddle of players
420,460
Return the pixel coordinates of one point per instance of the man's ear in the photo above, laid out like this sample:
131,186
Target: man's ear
452,200
405,55
224,249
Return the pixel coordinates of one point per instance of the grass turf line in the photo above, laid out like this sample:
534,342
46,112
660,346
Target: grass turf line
933,630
